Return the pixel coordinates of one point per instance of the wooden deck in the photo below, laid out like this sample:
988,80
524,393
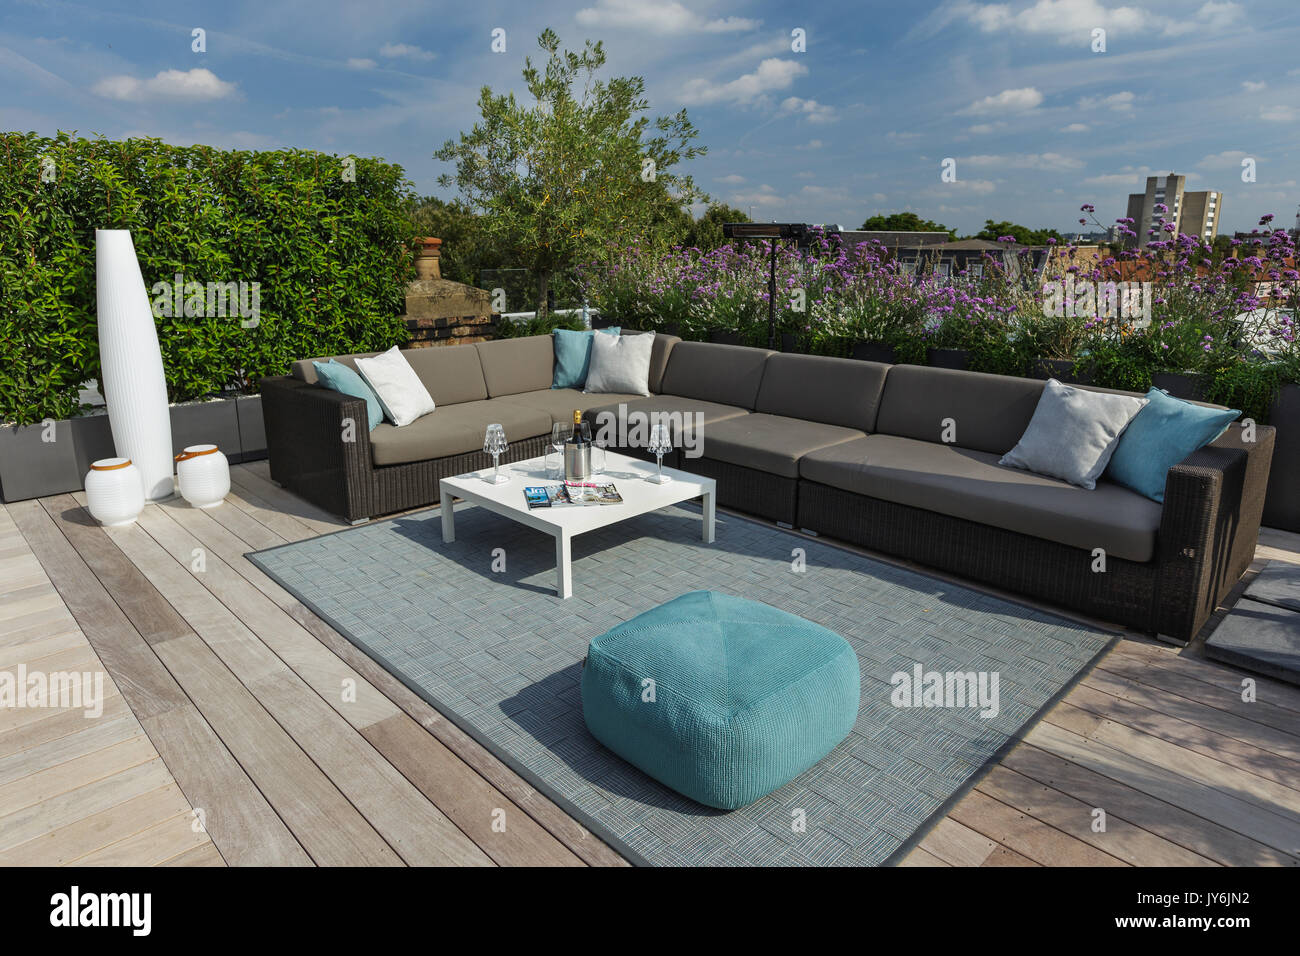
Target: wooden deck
238,728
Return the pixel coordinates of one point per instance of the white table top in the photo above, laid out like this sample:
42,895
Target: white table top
628,475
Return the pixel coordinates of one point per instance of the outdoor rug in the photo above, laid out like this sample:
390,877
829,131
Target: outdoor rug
500,655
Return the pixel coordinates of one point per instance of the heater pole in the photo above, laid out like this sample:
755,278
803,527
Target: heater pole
771,300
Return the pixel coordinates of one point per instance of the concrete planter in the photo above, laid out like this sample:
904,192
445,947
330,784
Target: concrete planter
31,466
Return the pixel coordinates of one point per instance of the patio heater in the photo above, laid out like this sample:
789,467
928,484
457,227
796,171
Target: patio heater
772,231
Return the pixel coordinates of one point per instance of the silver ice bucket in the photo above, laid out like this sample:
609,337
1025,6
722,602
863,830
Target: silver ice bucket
577,461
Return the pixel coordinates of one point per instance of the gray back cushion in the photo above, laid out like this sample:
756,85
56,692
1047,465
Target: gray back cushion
659,358
451,373
725,374
511,366
990,412
818,388
304,370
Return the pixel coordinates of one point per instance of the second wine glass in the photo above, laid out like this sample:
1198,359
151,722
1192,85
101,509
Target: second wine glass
494,443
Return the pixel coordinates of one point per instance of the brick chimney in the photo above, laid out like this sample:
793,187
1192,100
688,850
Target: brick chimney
441,312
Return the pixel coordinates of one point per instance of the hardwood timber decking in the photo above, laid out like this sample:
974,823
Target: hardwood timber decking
238,728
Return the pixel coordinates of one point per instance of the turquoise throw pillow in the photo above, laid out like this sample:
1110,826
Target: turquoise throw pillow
1165,432
339,378
573,356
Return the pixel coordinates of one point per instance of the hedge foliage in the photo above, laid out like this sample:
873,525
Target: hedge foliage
331,257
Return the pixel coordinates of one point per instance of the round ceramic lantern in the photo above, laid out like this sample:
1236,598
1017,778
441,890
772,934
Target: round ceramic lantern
204,475
114,491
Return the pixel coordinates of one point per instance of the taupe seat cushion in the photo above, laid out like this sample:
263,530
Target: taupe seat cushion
819,388
678,413
559,403
454,430
989,412
722,374
971,484
770,443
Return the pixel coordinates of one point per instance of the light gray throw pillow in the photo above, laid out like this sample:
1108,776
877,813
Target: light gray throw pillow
620,363
1073,433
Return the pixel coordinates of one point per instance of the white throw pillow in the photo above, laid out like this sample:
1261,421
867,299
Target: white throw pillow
620,363
398,388
1073,433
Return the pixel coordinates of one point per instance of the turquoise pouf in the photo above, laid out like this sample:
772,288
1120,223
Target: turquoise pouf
720,698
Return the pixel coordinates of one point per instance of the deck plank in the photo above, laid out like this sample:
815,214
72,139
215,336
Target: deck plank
1169,821
453,775
1120,838
1168,785
194,754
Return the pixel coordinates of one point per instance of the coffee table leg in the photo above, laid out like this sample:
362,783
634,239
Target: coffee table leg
707,499
563,567
448,519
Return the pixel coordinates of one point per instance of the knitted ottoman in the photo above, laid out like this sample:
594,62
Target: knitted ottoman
720,698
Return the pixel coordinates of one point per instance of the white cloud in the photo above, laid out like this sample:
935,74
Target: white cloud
765,195
732,180
810,110
1251,86
1075,128
1278,114
1128,176
1043,161
1008,101
1228,159
361,63
1072,21
983,129
812,144
772,74
896,137
393,50
1121,102
981,187
661,18
191,85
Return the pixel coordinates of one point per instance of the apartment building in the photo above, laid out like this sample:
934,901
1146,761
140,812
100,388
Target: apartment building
1193,213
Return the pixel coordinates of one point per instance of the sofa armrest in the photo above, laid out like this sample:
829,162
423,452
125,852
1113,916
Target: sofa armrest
318,442
1214,500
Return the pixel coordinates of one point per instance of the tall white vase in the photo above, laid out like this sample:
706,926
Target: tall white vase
135,390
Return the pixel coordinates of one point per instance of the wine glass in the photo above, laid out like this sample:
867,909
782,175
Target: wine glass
560,433
661,443
494,443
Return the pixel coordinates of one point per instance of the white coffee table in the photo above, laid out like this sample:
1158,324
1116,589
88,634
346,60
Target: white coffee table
628,475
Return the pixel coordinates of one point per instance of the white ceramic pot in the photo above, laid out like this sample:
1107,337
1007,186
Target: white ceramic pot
204,475
114,491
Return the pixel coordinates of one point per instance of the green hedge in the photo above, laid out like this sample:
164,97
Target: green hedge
331,257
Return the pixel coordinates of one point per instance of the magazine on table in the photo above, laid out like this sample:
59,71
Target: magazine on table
572,494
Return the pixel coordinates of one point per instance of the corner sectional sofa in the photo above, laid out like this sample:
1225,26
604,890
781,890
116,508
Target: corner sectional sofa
899,459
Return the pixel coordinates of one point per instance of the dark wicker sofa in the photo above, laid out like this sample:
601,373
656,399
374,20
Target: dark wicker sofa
899,459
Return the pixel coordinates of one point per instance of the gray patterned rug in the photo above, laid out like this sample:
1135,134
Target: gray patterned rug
500,655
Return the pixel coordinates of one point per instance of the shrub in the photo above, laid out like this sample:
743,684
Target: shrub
331,255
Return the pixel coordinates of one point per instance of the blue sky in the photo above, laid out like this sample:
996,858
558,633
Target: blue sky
858,123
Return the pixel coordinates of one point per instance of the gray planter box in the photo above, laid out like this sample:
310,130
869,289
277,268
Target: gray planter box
33,468
1282,503
252,428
